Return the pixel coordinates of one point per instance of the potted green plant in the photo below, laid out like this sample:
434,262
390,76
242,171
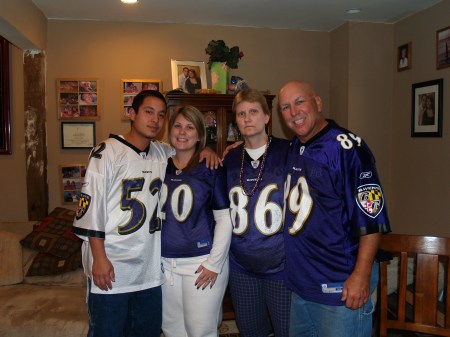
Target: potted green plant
221,59
218,51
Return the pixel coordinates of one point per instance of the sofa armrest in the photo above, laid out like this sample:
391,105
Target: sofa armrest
22,229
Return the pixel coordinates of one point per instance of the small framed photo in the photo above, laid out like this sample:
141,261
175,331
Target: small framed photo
5,117
77,135
71,176
427,98
404,57
77,99
190,76
443,48
130,88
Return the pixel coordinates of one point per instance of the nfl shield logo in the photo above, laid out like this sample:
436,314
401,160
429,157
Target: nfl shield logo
370,199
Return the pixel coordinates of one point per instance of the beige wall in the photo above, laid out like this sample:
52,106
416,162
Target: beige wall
420,167
361,74
370,90
339,74
23,24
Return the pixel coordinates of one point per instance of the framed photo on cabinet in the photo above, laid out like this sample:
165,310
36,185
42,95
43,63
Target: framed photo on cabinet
130,88
427,100
188,75
77,99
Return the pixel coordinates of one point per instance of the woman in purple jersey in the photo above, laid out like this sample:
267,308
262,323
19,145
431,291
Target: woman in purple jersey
196,233
255,179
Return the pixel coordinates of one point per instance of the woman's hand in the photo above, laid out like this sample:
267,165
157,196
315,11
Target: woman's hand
206,277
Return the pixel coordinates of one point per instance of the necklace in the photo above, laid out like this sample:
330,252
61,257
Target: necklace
177,171
261,169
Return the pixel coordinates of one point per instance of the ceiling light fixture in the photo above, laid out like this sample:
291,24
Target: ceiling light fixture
353,11
129,1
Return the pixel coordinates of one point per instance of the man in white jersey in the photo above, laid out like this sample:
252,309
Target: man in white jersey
117,218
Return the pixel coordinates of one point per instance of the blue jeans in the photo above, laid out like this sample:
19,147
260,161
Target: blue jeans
135,314
310,319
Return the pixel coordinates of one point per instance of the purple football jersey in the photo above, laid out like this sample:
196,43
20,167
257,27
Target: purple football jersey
188,200
257,244
333,196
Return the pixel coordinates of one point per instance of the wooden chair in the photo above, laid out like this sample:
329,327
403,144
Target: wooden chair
416,307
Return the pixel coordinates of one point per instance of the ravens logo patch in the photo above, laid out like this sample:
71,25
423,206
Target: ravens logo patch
370,199
83,205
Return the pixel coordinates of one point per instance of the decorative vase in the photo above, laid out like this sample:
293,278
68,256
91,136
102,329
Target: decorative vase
219,76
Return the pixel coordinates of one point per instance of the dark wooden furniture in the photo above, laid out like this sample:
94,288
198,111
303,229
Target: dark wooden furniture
417,307
220,105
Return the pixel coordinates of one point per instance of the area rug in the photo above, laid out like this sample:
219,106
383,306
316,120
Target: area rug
228,329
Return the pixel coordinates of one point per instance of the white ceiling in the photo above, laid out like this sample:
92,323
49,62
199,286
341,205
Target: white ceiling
315,15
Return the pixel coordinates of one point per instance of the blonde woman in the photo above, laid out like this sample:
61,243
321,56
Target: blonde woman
196,233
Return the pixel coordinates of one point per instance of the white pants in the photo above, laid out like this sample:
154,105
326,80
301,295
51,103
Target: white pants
188,311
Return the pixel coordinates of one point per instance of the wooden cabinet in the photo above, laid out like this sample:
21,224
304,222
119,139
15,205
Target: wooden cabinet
217,106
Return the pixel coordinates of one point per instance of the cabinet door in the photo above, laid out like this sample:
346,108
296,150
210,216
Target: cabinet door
227,131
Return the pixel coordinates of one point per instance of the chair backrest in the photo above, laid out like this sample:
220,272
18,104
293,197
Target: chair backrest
417,304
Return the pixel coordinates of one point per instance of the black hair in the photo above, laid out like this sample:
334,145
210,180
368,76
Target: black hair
139,98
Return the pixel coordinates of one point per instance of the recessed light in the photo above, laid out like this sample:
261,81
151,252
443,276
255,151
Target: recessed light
353,10
129,1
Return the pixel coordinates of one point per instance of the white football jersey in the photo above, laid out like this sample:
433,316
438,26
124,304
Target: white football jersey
120,203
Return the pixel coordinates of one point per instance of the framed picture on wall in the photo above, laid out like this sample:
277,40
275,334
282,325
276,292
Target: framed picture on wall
71,176
443,48
130,88
5,122
427,98
189,76
77,135
404,57
77,99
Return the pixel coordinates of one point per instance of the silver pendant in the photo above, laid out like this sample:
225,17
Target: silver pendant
178,172
255,163
302,149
